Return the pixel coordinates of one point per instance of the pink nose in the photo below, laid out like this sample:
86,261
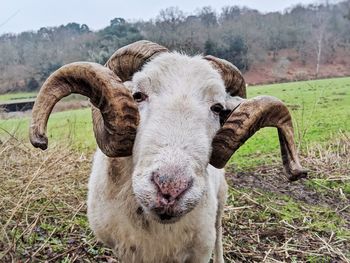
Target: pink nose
170,188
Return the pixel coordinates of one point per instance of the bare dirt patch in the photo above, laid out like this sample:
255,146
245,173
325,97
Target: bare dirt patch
272,179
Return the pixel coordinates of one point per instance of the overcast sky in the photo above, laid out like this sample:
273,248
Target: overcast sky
20,15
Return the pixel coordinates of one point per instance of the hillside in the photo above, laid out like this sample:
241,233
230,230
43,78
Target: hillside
287,66
304,42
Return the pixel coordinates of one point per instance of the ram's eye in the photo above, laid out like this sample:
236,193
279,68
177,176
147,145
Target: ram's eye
139,96
217,108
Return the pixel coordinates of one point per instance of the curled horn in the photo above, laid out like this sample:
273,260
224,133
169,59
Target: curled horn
233,79
250,116
129,59
115,114
119,114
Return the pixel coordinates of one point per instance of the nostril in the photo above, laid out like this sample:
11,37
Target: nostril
166,196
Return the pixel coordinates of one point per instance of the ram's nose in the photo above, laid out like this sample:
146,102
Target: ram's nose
170,188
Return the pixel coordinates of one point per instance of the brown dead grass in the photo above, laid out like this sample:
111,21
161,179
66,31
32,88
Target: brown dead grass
42,204
43,209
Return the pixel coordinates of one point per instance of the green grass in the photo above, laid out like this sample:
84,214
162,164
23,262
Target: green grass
323,185
17,95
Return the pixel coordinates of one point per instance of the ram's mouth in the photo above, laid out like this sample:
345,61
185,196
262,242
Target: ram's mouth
166,218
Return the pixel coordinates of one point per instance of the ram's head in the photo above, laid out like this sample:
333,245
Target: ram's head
173,114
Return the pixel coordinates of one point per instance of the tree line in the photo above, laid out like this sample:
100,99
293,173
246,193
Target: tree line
241,35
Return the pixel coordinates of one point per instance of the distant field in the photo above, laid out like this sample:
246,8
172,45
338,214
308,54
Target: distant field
320,111
17,95
28,95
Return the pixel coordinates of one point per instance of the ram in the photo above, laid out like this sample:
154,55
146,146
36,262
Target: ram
165,124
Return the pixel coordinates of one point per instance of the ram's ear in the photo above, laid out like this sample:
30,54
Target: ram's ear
232,102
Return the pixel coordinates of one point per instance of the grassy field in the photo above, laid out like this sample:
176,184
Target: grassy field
73,127
267,219
17,95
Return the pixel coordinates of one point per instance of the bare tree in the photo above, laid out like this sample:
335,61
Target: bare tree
319,26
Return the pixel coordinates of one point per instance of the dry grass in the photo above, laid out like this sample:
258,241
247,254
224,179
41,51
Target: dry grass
43,209
42,204
331,161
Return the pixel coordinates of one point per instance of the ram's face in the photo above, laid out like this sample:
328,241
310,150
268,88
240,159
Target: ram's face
179,100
